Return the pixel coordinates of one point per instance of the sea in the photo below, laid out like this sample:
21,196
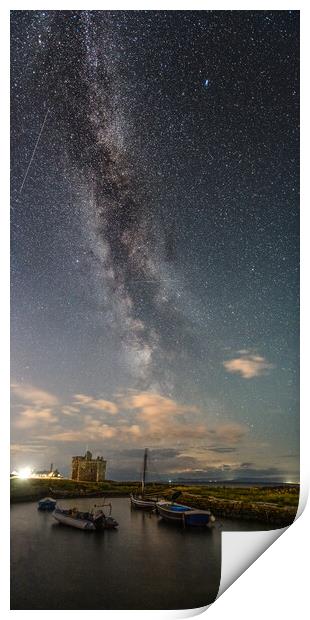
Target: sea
145,564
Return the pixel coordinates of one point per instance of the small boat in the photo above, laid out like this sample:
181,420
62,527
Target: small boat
47,503
141,500
94,519
177,513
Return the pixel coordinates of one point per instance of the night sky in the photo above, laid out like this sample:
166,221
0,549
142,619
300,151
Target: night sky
155,271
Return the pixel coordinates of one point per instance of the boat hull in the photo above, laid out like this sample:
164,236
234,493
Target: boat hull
48,508
47,504
80,521
142,504
81,524
184,515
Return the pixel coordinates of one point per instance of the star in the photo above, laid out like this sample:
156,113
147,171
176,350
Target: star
154,239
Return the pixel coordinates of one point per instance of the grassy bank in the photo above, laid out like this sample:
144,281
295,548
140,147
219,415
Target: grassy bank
272,505
276,505
35,488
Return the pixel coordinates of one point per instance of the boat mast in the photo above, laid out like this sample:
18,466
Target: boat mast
144,469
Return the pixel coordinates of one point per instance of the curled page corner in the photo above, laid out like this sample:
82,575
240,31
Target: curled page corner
240,550
177,614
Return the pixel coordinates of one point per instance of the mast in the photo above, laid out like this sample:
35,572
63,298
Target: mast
144,469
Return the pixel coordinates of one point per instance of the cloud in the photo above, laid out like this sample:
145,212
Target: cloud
84,434
92,430
232,432
258,473
148,418
30,417
290,456
128,463
132,430
248,365
18,448
225,471
96,403
221,449
70,411
154,406
163,418
31,394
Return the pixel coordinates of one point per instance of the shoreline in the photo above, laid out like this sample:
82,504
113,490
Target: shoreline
271,505
36,497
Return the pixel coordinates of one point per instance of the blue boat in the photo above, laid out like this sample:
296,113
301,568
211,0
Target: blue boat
47,503
185,515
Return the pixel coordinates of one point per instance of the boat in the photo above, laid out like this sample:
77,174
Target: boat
46,503
143,501
94,519
185,515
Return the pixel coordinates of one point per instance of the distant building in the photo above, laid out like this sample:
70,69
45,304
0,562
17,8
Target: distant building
87,469
46,474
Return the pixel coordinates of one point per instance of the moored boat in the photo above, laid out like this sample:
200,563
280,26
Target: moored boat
185,515
141,500
46,503
94,519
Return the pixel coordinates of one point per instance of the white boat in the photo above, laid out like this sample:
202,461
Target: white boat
94,519
142,503
141,500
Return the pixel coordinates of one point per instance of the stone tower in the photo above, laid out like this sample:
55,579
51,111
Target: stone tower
87,469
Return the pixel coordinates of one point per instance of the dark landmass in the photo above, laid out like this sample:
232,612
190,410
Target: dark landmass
61,488
250,482
270,504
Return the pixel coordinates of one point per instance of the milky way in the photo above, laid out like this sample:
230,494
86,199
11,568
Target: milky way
155,225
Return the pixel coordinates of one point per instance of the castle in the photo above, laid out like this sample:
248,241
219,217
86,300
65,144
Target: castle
87,469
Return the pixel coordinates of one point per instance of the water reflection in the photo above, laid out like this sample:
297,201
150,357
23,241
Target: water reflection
145,564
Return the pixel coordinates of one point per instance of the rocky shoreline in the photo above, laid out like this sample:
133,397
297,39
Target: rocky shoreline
259,511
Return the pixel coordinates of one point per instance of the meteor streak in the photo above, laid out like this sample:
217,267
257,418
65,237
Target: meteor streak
33,153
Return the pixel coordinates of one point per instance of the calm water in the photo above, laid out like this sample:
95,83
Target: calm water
145,564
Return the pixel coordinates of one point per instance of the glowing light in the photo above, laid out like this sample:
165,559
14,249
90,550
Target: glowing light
24,473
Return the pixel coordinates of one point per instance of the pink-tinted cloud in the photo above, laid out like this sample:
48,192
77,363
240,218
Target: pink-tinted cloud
18,448
248,365
31,417
92,432
151,405
148,418
31,394
70,411
95,403
161,418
